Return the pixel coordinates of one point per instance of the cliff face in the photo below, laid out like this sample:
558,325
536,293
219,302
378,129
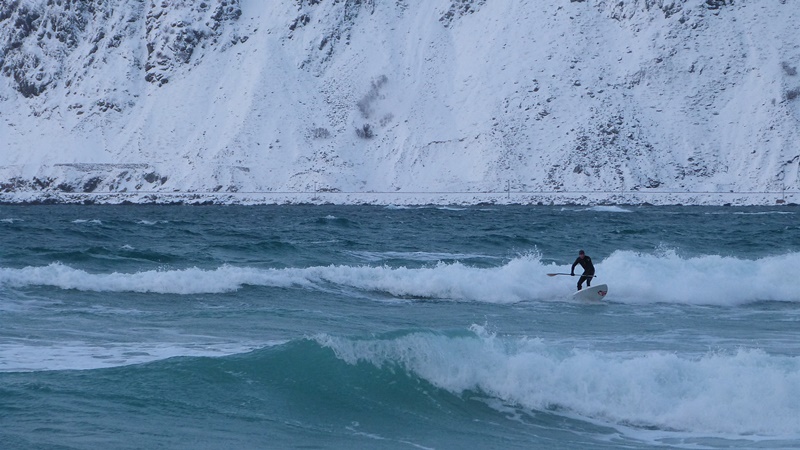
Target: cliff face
395,95
64,41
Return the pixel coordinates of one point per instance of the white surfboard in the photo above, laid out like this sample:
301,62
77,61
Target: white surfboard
591,293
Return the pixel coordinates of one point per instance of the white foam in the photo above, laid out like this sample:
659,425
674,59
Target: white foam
613,209
23,356
707,280
738,393
632,278
508,283
416,256
10,220
764,213
183,281
81,221
748,213
599,208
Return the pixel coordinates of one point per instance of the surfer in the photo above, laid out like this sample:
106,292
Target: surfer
588,269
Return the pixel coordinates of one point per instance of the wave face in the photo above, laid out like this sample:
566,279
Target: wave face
366,327
741,392
635,277
441,384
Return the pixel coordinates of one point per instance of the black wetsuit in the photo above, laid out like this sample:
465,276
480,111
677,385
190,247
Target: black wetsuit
588,270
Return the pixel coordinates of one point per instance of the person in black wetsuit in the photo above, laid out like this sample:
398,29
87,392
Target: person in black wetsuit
588,269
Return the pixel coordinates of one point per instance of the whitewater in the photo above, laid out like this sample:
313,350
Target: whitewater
397,327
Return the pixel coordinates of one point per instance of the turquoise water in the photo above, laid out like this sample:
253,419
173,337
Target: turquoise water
127,327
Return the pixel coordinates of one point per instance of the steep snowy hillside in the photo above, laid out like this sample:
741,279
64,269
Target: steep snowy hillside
398,96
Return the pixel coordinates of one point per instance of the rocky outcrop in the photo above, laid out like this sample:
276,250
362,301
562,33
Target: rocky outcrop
48,42
176,29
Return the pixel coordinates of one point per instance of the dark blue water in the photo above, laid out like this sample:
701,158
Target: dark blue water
373,327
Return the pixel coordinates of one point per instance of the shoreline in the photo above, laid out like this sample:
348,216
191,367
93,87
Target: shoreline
584,198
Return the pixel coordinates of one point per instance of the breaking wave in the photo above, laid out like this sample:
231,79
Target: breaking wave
632,278
739,394
743,392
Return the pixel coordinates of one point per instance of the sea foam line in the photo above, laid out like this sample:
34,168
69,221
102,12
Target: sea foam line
23,356
182,281
453,281
632,278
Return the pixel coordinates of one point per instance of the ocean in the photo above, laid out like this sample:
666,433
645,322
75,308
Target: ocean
260,327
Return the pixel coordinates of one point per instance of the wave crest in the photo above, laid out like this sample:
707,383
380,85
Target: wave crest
635,278
744,392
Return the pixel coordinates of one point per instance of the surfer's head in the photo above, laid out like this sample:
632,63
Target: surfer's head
581,253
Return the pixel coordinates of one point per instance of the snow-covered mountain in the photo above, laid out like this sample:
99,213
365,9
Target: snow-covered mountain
398,96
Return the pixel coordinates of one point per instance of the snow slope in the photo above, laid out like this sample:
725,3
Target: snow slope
399,96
